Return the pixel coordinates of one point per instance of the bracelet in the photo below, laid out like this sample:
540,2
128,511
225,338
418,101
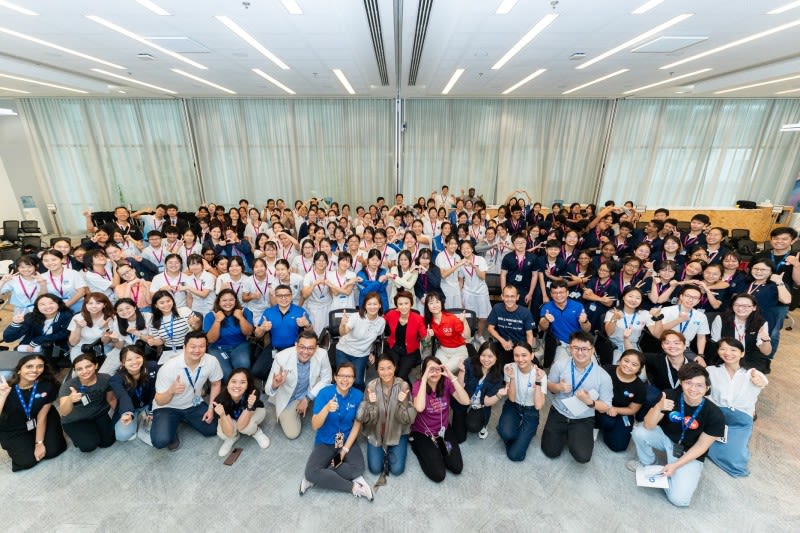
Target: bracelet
658,318
250,408
781,284
346,449
40,442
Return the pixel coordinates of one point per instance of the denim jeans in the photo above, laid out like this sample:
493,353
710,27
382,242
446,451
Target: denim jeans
684,482
231,357
164,430
126,432
397,457
781,313
361,366
517,427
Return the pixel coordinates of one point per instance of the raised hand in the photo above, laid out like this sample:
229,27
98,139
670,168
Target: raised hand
75,395
279,378
666,404
178,386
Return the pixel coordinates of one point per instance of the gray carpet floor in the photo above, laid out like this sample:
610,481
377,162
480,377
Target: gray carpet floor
131,487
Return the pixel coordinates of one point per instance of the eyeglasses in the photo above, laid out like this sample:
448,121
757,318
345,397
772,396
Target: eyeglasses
581,349
345,376
283,295
306,348
690,297
693,385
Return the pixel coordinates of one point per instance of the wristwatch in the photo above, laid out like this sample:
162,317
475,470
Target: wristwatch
592,404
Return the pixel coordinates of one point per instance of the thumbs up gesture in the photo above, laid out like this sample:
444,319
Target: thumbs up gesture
178,386
666,405
75,395
251,400
5,388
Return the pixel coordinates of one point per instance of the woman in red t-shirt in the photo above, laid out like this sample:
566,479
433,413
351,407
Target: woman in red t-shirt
450,331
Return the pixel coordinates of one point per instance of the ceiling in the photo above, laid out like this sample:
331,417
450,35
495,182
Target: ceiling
461,34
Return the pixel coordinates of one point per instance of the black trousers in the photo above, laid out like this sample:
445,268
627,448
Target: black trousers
576,433
405,364
434,457
91,433
466,419
20,445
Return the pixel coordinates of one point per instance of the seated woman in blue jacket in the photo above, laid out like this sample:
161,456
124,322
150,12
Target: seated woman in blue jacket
134,386
373,278
44,328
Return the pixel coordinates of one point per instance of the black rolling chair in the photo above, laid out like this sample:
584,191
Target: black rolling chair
330,336
472,321
11,231
30,228
493,282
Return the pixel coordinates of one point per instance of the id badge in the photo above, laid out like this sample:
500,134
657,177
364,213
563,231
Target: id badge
626,421
30,425
592,307
85,400
224,355
678,450
338,440
342,297
518,278
196,401
441,432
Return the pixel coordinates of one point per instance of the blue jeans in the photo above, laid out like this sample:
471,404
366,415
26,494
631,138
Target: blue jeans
517,427
231,357
616,432
164,430
684,482
361,366
124,432
733,456
781,312
397,457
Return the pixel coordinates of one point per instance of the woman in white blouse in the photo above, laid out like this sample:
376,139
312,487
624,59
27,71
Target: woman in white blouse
735,390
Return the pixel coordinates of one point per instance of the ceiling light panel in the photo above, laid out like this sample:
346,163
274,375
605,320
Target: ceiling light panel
639,38
249,39
760,84
784,8
505,7
43,83
128,79
598,80
18,8
14,90
790,91
453,79
670,80
732,44
524,81
54,46
273,81
538,28
647,6
152,6
292,7
201,80
343,80
138,38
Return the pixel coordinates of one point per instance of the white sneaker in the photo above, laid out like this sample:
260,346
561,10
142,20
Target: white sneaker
227,446
483,433
633,465
261,439
305,485
361,489
595,433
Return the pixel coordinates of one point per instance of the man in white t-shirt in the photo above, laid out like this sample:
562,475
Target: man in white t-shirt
179,389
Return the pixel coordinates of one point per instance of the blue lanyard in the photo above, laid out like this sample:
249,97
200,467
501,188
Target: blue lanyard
342,411
684,424
138,392
634,321
685,324
778,265
237,411
585,375
29,406
196,377
171,330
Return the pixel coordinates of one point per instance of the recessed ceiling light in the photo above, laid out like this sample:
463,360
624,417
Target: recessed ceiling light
524,81
14,90
292,7
201,80
505,7
789,91
59,48
133,80
784,8
734,43
272,80
343,80
18,9
676,78
139,38
249,39
120,91
760,84
453,79
6,112
668,24
528,37
790,127
598,80
647,6
43,83
158,10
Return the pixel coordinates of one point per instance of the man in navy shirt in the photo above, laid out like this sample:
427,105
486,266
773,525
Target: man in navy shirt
509,323
517,269
284,322
563,317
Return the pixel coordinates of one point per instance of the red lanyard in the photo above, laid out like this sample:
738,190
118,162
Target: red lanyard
135,294
25,290
159,258
259,289
470,271
178,284
56,287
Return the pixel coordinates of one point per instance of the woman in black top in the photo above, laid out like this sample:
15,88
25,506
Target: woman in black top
240,411
630,392
429,278
84,402
134,387
44,329
30,429
482,378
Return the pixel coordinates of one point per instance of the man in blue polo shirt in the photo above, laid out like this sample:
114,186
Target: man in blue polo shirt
509,323
284,321
563,317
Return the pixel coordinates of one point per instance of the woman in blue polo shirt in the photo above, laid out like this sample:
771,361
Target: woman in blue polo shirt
228,326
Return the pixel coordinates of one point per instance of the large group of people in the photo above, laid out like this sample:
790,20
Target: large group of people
631,331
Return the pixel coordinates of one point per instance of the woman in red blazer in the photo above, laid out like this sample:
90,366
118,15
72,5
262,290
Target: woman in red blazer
404,331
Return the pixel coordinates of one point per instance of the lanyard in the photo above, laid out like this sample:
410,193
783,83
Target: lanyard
672,383
236,288
685,323
159,258
25,290
264,291
177,285
778,264
470,270
56,287
597,287
634,320
238,408
450,263
49,329
310,265
171,330
27,407
135,294
319,288
686,425
198,286
741,331
196,379
755,287
585,375
520,262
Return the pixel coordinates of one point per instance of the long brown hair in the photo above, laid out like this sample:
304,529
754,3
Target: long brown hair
108,308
